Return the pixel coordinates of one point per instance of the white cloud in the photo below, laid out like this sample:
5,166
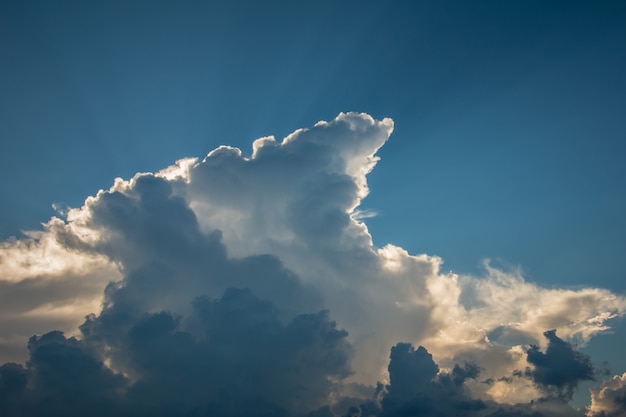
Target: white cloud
609,400
284,221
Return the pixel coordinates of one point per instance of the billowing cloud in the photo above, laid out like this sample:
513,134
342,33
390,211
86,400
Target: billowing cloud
249,283
417,388
46,285
609,400
559,370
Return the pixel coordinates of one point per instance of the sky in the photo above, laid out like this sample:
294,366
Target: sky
312,208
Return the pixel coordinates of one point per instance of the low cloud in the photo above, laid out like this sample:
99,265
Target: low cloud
417,388
234,356
559,370
609,400
253,278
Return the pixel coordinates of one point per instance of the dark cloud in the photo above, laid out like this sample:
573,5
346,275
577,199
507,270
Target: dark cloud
559,370
62,378
13,380
242,351
240,359
410,371
235,356
417,388
460,374
66,379
540,408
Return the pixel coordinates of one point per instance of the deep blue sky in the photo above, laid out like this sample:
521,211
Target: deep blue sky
510,116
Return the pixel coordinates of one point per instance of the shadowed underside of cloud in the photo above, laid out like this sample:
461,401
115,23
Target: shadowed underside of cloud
560,368
223,287
239,359
242,360
418,387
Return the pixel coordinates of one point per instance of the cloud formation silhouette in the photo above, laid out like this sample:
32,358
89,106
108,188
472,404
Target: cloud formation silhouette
559,370
249,284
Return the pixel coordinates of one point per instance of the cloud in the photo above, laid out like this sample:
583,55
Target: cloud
417,388
263,260
236,356
13,380
559,370
235,353
609,400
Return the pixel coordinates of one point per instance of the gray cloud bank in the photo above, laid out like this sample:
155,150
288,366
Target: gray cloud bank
248,285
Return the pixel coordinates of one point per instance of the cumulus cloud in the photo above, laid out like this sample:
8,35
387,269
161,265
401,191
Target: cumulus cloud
419,387
250,280
609,400
46,285
559,370
237,357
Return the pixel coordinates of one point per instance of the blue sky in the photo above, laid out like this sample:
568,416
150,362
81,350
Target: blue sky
509,116
509,134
